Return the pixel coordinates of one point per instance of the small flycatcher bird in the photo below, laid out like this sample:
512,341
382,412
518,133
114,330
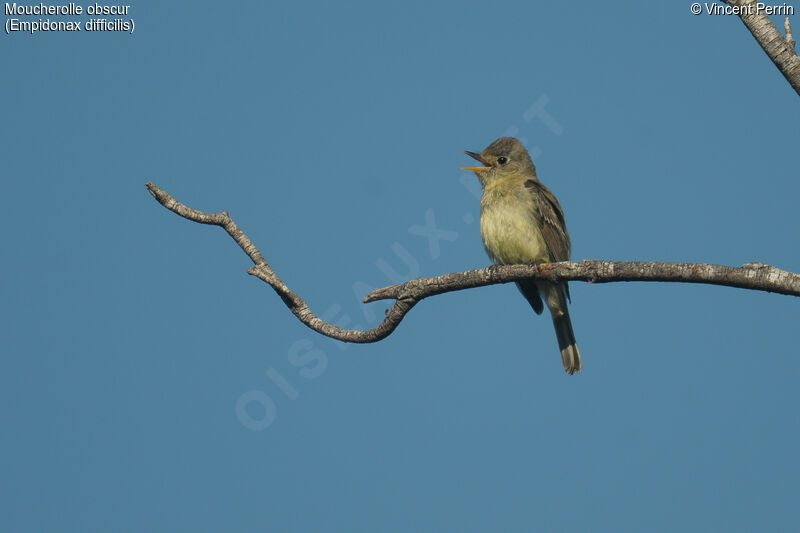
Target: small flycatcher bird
522,222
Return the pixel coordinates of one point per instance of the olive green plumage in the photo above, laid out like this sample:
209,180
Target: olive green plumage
522,222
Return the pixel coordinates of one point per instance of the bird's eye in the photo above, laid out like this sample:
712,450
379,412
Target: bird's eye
502,160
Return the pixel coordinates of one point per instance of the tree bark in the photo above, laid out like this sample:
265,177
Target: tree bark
780,49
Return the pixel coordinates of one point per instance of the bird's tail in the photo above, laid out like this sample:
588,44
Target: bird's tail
570,355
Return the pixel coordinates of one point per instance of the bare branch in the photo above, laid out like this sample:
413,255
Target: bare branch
263,271
755,276
779,49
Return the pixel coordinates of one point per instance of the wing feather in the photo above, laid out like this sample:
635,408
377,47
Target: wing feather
551,221
550,216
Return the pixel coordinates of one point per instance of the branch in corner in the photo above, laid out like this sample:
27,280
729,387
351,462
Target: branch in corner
780,49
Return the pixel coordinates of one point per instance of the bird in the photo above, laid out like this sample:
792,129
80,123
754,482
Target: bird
521,223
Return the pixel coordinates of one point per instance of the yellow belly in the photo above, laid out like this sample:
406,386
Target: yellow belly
510,233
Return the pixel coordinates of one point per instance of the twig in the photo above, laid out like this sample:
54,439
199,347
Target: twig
263,271
755,276
788,27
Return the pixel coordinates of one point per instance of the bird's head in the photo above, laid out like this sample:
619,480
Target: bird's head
503,158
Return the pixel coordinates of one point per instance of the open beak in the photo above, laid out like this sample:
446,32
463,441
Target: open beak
477,157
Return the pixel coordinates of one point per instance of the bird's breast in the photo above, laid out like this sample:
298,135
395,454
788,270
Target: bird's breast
509,229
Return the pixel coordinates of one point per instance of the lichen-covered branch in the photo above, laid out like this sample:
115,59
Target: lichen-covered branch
780,49
755,276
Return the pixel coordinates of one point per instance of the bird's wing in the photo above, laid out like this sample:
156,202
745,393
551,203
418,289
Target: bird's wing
551,221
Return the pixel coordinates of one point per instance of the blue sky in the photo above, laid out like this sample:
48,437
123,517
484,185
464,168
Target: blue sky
148,383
